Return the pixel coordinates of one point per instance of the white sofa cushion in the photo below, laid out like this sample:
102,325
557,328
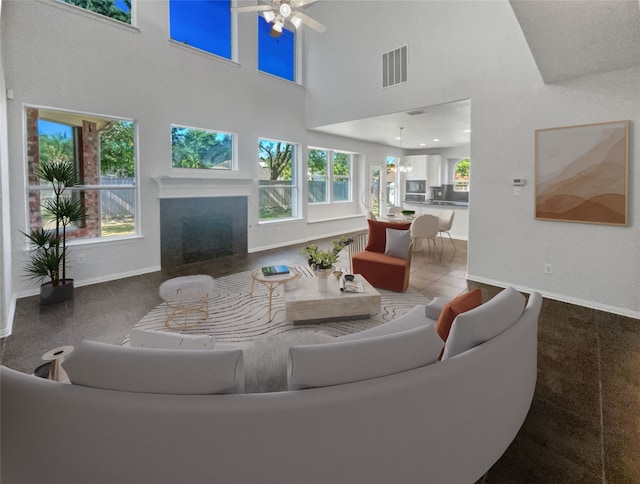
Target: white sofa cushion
414,318
435,306
482,323
147,338
354,360
147,370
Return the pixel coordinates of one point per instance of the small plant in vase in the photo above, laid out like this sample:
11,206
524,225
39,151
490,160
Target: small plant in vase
48,250
322,260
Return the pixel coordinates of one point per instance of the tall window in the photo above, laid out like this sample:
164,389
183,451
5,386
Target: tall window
317,185
461,175
392,193
328,169
278,187
199,148
115,9
103,151
276,52
205,25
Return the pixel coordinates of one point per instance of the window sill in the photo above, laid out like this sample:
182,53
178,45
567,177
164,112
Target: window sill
83,12
202,53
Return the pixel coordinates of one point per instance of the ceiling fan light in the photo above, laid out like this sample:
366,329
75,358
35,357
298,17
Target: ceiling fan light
277,26
285,10
269,16
296,21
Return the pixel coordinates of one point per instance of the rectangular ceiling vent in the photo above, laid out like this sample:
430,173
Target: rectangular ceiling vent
415,112
394,67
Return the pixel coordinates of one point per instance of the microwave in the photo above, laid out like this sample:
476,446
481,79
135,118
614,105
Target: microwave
416,186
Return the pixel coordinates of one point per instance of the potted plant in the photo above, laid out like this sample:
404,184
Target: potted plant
48,251
322,260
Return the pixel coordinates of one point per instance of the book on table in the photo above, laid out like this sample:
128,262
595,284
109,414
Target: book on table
351,286
275,270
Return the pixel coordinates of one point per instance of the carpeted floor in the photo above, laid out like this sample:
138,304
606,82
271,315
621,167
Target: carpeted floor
237,316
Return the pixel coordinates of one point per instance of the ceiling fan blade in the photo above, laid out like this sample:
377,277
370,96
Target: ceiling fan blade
301,3
314,24
252,8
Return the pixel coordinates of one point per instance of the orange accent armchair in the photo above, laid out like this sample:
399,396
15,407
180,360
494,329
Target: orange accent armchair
382,270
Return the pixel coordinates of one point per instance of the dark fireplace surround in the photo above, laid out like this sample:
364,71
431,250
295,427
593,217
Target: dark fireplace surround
201,229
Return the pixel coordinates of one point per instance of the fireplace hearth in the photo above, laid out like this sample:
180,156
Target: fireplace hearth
201,229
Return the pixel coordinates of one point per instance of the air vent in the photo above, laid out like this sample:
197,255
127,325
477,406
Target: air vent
394,67
415,112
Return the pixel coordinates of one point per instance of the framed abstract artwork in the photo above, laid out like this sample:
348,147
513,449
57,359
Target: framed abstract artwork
581,173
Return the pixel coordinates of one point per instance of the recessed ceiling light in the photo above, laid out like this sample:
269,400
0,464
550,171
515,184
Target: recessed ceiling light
467,131
423,144
436,139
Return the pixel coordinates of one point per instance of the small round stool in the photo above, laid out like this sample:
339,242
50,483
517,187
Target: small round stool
186,297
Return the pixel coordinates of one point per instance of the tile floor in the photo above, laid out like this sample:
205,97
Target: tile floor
583,423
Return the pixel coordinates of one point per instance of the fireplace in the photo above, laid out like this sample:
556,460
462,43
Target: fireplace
201,229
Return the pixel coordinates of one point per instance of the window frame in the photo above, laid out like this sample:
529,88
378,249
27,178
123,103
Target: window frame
331,177
455,182
294,185
201,171
232,47
82,235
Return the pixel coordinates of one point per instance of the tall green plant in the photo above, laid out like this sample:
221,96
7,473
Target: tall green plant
49,247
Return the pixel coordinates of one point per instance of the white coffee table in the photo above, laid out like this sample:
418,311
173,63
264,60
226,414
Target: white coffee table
305,303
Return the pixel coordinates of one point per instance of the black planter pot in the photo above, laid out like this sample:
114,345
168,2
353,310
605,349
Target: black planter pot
56,294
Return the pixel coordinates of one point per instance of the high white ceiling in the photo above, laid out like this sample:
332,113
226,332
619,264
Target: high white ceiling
567,39
441,126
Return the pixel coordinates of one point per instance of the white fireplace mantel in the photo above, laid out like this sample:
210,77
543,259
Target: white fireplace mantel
188,187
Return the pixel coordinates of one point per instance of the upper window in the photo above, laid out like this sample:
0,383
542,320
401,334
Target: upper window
103,151
115,9
205,25
329,176
277,174
276,51
199,148
461,176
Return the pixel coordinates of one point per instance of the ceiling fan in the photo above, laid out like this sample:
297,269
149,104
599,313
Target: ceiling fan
278,12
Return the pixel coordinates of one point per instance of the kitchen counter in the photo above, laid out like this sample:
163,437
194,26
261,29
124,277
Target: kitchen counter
460,228
446,203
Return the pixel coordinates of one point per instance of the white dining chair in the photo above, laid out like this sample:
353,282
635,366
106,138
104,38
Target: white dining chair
425,227
445,223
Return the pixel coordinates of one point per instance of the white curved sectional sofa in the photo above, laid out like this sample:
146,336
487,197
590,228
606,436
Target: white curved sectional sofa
445,422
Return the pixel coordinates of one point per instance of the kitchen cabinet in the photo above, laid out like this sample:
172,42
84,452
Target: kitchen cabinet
434,170
418,164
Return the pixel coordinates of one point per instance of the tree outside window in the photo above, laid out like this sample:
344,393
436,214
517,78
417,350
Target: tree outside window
199,148
317,176
103,151
277,180
461,175
341,177
115,9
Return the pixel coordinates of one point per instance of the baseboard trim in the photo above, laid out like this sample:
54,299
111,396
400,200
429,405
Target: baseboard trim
96,280
560,297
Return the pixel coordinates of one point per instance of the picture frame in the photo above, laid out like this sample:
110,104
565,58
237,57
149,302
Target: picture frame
582,173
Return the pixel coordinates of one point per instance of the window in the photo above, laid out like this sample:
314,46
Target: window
317,176
278,188
103,150
199,148
276,55
392,163
205,25
341,177
115,9
326,169
461,176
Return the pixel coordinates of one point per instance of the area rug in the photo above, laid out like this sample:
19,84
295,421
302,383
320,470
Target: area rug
236,316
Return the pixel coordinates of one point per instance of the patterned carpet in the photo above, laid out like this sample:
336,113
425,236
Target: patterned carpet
237,316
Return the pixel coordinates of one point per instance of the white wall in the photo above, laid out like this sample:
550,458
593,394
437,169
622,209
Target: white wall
476,50
63,57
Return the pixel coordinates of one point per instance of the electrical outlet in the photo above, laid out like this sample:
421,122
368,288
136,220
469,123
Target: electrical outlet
548,269
80,259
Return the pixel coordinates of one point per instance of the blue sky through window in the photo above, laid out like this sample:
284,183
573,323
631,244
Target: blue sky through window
276,55
49,127
203,24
